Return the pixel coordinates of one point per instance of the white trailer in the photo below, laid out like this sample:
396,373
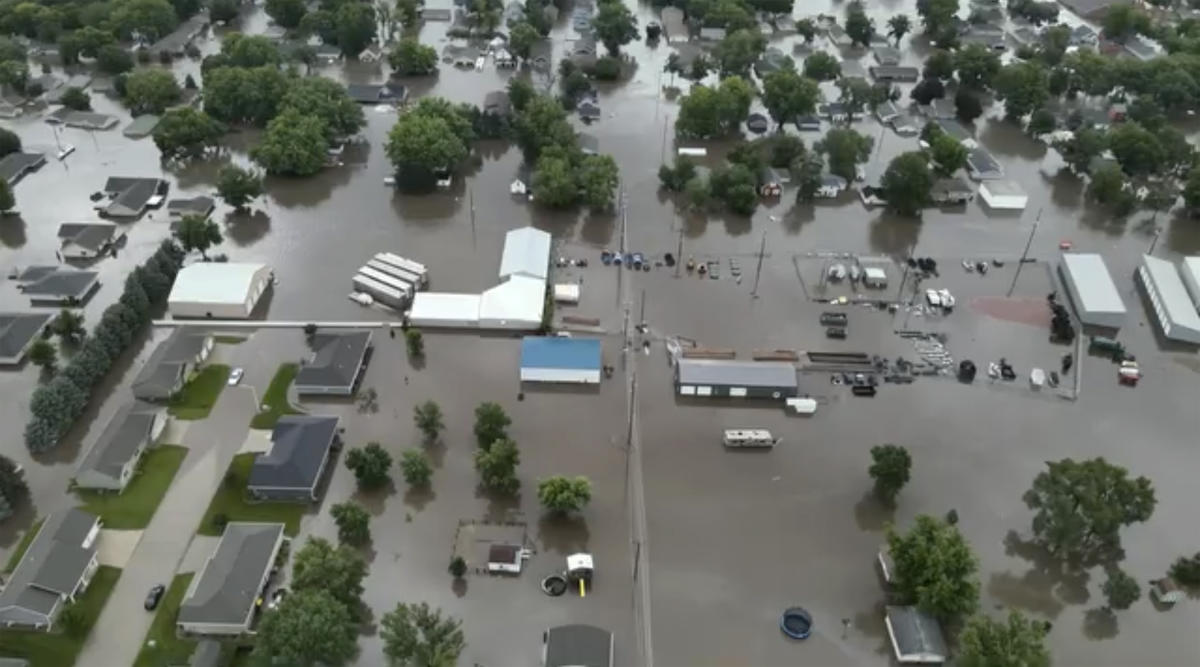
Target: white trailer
409,277
406,264
391,281
388,296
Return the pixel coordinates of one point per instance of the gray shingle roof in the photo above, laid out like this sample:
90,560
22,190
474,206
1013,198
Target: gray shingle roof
131,195
14,165
225,591
337,360
91,235
299,446
17,331
736,373
131,427
578,646
161,373
195,205
914,633
51,567
53,282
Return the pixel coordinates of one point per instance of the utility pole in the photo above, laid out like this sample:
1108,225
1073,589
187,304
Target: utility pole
679,252
642,319
762,249
471,196
1021,262
1154,241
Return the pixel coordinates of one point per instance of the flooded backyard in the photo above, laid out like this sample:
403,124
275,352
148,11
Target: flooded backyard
732,539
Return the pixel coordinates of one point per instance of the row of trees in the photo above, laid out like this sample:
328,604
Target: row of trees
55,406
349,25
68,326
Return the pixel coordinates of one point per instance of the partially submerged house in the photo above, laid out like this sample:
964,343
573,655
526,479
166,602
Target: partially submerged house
832,185
894,73
178,40
53,286
712,34
18,331
808,123
771,181
916,637
951,191
886,55
939,108
14,166
87,240
337,364
55,569
132,196
224,596
577,646
674,26
178,209
171,364
378,93
589,109
981,166
113,458
772,60
291,470
496,103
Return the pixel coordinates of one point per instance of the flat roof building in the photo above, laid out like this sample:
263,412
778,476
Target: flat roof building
1003,195
1189,269
112,459
517,303
223,290
223,596
444,310
18,331
337,363
1170,303
553,359
738,379
1093,293
916,636
291,470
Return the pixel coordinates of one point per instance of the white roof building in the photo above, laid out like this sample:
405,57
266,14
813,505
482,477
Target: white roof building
1095,296
221,290
526,253
444,309
516,303
1189,268
1172,307
1003,195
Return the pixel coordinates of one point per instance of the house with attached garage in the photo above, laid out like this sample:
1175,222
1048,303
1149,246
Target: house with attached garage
54,571
223,598
337,363
132,196
951,191
291,469
111,461
53,286
18,331
178,209
171,364
87,240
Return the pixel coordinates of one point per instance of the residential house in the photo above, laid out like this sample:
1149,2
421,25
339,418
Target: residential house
674,26
588,144
894,73
771,181
577,646
178,40
171,364
18,331
712,34
589,109
1092,9
55,569
988,36
951,191
541,55
496,103
981,166
1083,35
582,51
1141,48
808,123
84,120
772,60
832,185
838,35
834,112
905,126
1028,36
110,463
503,58
54,286
887,112
886,55
371,54
434,14
514,12
955,129
581,19
132,196
141,126
372,93
328,54
202,206
223,598
300,449
337,364
87,240
14,166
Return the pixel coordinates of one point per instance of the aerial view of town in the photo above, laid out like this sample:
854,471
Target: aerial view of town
594,333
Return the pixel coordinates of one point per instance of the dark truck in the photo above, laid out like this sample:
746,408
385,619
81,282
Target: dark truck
1107,346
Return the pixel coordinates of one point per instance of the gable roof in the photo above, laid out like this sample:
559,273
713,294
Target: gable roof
91,235
51,568
526,252
161,373
720,372
337,360
225,591
15,165
554,352
130,195
131,427
53,282
916,636
299,445
578,646
17,332
981,162
194,206
497,103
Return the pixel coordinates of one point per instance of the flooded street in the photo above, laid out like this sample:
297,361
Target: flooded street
733,539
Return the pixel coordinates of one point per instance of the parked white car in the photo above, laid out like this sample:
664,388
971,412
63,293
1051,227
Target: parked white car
235,376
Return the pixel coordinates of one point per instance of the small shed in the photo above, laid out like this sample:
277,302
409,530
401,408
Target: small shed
506,558
875,276
566,293
951,191
1003,195
1093,293
916,636
555,359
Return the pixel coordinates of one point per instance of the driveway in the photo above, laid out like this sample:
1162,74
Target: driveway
115,547
211,443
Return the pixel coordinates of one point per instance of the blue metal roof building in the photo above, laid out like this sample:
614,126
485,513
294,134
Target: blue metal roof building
551,359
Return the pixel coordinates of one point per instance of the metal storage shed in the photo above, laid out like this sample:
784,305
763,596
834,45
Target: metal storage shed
444,309
218,289
916,636
1189,268
1172,307
1096,299
514,304
526,253
743,379
552,359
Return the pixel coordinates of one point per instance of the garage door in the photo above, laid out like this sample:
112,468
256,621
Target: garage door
738,392
704,391
687,390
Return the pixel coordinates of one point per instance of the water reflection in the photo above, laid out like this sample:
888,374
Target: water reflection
246,227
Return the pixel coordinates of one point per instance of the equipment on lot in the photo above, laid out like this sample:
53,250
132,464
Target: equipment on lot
580,568
829,319
1129,373
966,371
836,332
1109,346
801,406
1061,329
796,623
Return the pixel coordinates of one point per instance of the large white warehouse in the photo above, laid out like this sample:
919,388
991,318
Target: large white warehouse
218,290
1169,301
1092,291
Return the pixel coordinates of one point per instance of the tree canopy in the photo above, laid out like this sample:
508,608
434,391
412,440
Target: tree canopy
238,186
497,466
418,635
371,465
564,494
339,571
787,95
614,25
935,568
410,57
907,183
491,424
309,627
891,466
821,66
1016,641
419,145
151,91
845,149
738,51
327,101
712,112
295,144
186,133
196,232
1023,87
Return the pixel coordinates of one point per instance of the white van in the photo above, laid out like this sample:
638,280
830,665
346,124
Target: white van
755,437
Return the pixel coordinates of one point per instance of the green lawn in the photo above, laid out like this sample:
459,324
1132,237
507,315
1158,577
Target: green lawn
22,546
200,394
132,508
168,649
274,402
229,340
58,649
231,501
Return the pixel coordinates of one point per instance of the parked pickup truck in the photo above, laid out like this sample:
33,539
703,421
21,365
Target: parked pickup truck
830,319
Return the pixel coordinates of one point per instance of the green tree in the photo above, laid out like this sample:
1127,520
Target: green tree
13,490
947,154
409,11
1108,187
1191,191
428,418
614,26
786,95
355,23
1023,87
309,627
54,407
238,186
287,13
416,635
738,51
68,326
326,100
294,145
939,65
370,464
937,15
543,123
521,39
935,568
821,66
898,27
44,355
520,93
598,179
710,112
497,466
564,494
807,30
74,621
244,95
859,28
339,571
458,567
907,183
554,179
223,11
891,466
977,66
151,91
249,51
1041,122
151,19
1185,570
409,57
967,105
7,200
491,424
1015,642
418,145
737,187
1120,590
195,232
856,94
1136,149
9,142
807,174
77,99
675,178
187,133
415,342
353,523
1080,506
845,149
1124,21
415,467
1085,146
